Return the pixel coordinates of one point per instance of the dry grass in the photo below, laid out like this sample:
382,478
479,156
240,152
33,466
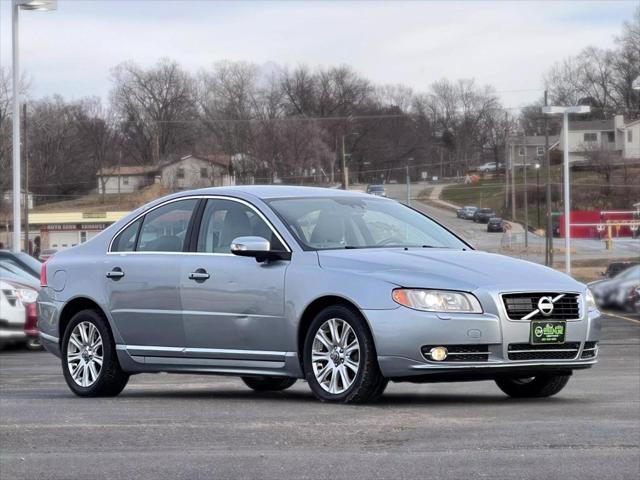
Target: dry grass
112,202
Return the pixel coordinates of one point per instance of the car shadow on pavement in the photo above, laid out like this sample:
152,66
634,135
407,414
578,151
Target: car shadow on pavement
389,399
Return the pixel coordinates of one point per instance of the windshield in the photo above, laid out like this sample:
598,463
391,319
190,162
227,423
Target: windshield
11,271
330,223
29,266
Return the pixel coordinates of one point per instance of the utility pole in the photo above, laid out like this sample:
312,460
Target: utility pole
408,183
526,197
26,178
345,174
513,188
538,191
505,163
548,257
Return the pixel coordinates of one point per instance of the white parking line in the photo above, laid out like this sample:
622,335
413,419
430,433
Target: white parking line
622,317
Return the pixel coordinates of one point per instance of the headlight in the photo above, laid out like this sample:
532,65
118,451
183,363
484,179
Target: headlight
437,300
592,306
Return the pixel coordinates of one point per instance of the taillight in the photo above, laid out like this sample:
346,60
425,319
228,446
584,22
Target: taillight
31,320
43,275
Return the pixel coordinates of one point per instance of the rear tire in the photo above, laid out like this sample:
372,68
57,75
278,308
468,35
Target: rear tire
534,387
339,344
268,384
105,379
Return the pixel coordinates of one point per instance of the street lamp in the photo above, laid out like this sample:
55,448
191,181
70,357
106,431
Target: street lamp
17,5
565,111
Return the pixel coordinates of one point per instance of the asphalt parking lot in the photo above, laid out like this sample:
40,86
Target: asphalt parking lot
192,426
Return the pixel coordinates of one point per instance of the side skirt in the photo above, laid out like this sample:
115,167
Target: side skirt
287,366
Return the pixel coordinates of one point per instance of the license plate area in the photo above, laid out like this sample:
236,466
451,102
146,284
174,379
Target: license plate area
548,332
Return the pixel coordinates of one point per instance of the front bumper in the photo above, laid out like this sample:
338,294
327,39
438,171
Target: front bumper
401,334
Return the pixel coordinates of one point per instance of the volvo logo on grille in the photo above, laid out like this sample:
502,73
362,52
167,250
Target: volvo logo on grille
545,305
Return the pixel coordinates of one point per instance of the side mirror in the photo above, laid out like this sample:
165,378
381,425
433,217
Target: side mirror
258,248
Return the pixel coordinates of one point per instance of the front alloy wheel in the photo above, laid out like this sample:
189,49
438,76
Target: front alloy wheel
335,356
340,361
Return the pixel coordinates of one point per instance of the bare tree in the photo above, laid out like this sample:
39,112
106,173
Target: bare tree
156,109
99,137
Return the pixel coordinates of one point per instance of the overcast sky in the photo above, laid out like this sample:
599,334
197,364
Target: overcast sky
507,44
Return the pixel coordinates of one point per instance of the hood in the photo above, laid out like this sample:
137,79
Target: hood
466,270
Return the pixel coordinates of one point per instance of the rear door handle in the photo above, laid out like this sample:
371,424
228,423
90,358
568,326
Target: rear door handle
200,275
115,274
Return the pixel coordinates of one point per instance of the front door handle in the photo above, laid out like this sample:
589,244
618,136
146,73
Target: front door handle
115,274
200,275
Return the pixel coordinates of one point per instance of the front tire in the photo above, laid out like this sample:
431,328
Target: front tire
268,384
89,361
534,387
340,361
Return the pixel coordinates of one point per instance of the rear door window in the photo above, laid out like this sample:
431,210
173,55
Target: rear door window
164,229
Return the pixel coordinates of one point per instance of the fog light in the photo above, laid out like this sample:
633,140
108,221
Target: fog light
438,353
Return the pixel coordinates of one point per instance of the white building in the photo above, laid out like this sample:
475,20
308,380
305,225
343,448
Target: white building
631,141
196,172
126,179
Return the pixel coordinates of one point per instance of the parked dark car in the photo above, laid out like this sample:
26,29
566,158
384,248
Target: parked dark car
483,215
466,212
495,224
377,190
615,292
615,268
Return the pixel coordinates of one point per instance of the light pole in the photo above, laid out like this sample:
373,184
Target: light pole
538,191
345,173
567,197
16,6
526,190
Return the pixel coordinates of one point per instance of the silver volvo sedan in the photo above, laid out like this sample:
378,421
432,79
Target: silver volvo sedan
342,289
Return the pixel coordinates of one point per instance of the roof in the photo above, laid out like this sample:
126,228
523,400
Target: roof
278,191
222,160
598,125
533,140
127,170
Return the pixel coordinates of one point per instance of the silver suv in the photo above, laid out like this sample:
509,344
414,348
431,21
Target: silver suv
273,284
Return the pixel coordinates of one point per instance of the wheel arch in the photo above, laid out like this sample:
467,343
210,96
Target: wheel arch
315,307
74,306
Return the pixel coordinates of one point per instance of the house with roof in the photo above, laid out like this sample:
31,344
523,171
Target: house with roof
179,173
590,135
529,149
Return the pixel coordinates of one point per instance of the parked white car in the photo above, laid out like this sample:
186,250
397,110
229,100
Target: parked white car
13,313
488,167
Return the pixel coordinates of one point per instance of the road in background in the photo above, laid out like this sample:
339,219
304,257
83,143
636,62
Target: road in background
197,426
511,243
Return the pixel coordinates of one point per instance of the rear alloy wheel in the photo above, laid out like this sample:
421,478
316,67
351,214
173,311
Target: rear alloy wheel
89,360
268,384
340,361
533,387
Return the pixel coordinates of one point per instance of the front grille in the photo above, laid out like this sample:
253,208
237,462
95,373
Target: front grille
519,305
460,353
590,350
526,351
